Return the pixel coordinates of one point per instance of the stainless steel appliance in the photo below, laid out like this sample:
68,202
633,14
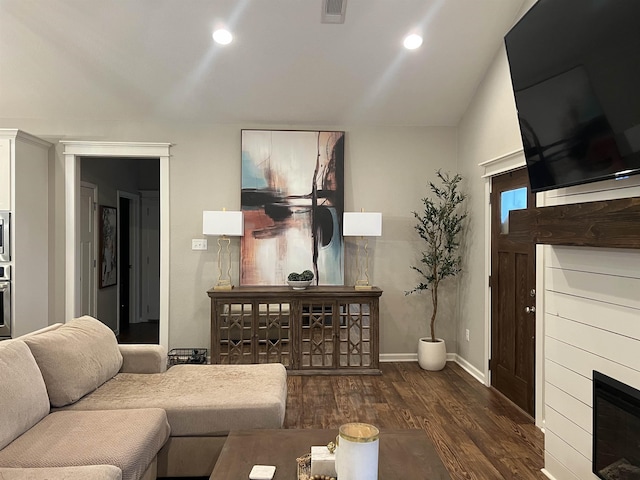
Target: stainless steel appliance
5,301
5,233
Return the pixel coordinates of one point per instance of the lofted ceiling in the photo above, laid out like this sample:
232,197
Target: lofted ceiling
155,60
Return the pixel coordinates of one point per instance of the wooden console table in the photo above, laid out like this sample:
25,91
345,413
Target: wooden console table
323,329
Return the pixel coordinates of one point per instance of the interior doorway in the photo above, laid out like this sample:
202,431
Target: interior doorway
120,181
128,261
74,151
513,283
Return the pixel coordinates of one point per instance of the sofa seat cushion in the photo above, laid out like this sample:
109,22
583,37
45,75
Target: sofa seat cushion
75,358
127,439
23,395
201,399
93,472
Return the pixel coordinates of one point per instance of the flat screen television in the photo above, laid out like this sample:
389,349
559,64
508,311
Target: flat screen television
575,71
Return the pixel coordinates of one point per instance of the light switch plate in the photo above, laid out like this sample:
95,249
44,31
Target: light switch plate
198,244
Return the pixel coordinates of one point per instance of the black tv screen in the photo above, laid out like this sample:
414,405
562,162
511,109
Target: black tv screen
575,70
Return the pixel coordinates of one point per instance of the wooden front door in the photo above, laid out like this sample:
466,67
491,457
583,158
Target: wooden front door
512,294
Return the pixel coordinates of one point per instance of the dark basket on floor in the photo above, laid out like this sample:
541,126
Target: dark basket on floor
187,355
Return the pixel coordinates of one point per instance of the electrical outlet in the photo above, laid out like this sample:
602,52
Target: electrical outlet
466,334
198,244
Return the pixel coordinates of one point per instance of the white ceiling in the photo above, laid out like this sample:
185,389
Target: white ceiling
155,60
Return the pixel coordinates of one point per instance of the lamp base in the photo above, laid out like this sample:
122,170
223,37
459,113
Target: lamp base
362,285
223,286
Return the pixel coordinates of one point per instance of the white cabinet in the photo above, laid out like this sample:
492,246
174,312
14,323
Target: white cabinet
5,174
24,191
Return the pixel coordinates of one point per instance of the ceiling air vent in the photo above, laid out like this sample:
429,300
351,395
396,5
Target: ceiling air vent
333,11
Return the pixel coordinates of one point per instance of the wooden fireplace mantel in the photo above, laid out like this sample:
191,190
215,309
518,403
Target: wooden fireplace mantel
605,223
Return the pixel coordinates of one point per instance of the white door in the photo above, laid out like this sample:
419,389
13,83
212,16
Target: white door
129,284
150,256
88,270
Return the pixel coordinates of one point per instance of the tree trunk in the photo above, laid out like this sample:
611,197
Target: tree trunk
434,300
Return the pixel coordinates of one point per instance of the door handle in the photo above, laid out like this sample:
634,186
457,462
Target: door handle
530,309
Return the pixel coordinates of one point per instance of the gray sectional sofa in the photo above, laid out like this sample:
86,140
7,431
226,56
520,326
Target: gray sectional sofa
72,399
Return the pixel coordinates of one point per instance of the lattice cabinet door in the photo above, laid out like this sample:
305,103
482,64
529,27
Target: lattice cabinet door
317,337
273,333
234,332
357,338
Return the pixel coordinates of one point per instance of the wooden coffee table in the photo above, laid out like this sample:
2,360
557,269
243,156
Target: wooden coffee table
403,453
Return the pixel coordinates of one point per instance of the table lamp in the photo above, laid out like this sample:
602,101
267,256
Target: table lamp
362,225
223,224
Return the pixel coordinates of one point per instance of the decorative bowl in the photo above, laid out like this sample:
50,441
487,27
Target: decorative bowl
299,284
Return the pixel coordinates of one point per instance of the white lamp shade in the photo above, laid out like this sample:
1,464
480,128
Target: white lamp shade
362,224
222,222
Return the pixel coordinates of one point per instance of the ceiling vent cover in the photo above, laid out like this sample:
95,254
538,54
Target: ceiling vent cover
333,11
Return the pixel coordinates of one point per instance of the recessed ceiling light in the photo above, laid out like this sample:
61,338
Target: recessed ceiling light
413,41
222,36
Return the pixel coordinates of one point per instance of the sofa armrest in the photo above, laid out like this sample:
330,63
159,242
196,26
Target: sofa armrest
140,358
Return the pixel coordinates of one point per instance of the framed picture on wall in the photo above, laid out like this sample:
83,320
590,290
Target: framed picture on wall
108,247
292,199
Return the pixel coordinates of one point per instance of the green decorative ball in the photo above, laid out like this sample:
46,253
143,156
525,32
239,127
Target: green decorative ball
306,275
294,277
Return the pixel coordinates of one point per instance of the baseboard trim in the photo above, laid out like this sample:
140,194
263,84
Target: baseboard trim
398,357
451,357
547,474
470,369
408,357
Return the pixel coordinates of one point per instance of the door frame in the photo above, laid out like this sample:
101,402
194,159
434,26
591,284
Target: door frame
134,255
94,293
497,166
73,152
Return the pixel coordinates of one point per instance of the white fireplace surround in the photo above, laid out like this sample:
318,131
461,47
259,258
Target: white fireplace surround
591,322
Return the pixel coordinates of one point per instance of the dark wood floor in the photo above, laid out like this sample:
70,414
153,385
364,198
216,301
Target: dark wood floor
143,332
478,434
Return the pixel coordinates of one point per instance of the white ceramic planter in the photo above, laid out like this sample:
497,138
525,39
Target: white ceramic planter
432,355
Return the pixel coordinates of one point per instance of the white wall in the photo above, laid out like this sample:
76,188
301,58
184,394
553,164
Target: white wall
592,322
488,131
386,170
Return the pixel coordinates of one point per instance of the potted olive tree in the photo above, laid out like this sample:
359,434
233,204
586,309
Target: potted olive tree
439,225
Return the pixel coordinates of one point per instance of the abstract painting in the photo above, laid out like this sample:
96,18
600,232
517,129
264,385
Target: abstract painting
292,200
108,252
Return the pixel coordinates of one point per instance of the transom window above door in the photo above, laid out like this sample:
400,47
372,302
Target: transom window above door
511,200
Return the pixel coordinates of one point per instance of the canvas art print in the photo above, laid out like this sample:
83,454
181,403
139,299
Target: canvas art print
292,200
108,254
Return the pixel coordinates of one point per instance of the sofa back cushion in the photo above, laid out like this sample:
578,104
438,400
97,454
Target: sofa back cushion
23,396
76,358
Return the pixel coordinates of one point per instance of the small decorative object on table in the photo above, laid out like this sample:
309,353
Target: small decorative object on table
304,469
323,460
300,281
319,464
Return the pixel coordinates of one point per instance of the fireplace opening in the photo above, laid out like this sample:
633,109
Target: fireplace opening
616,429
